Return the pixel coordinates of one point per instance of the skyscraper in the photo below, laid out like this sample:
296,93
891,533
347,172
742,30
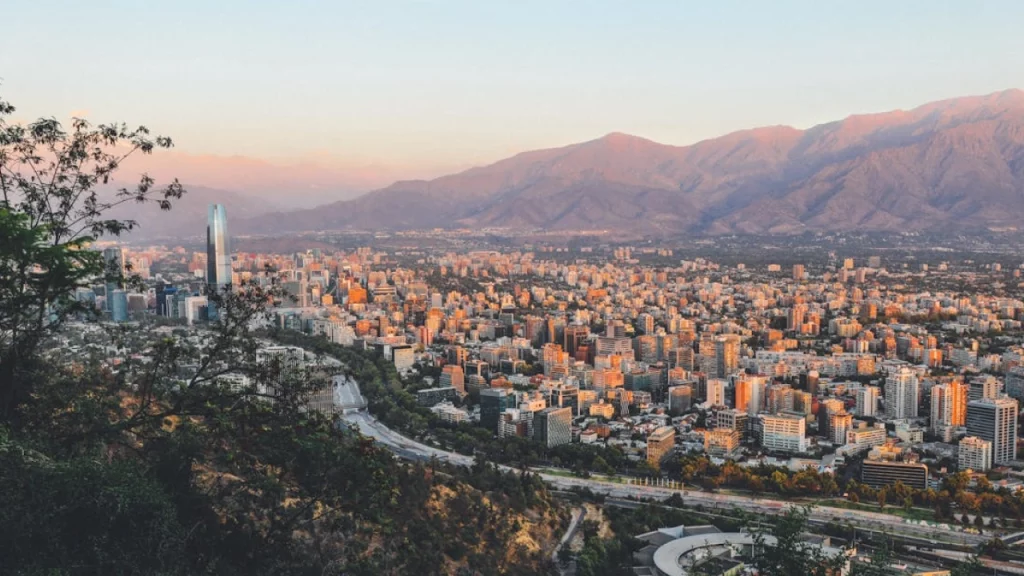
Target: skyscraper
995,420
949,407
901,394
119,305
741,394
114,259
218,253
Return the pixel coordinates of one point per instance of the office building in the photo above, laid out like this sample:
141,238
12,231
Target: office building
218,253
995,420
432,396
493,402
452,375
732,420
861,436
553,426
783,433
721,442
679,399
194,308
983,386
901,394
810,381
887,464
403,357
119,305
975,454
575,335
659,444
115,269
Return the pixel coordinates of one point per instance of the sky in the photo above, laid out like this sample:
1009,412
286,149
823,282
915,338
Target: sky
423,87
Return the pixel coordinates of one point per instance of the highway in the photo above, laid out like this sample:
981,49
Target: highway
860,519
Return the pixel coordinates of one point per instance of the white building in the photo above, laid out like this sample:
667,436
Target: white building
975,454
783,433
867,401
901,394
447,412
862,437
716,392
194,308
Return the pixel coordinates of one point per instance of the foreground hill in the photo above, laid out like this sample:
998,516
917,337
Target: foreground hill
955,163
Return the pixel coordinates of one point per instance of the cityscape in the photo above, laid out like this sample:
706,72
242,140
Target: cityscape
853,380
512,289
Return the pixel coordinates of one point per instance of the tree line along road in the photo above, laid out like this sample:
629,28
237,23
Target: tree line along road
861,519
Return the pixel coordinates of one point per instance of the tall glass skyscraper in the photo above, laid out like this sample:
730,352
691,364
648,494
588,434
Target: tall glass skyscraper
218,253
114,258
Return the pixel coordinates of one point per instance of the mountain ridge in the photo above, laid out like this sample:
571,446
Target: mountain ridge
956,162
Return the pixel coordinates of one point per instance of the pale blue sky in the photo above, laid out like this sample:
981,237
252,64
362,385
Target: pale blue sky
446,83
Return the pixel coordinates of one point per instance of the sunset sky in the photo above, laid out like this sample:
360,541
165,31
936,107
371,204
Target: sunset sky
422,87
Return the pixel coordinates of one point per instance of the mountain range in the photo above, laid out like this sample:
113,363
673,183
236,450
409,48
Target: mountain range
954,164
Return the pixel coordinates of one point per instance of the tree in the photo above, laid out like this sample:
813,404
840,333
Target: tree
164,467
50,210
788,554
879,565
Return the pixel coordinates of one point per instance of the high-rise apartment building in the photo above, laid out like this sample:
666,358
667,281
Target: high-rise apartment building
741,394
901,394
975,454
867,401
838,425
949,407
995,420
727,354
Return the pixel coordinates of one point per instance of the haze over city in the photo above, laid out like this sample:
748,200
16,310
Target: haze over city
511,288
370,93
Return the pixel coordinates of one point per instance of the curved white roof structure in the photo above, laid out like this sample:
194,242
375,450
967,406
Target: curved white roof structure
668,558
